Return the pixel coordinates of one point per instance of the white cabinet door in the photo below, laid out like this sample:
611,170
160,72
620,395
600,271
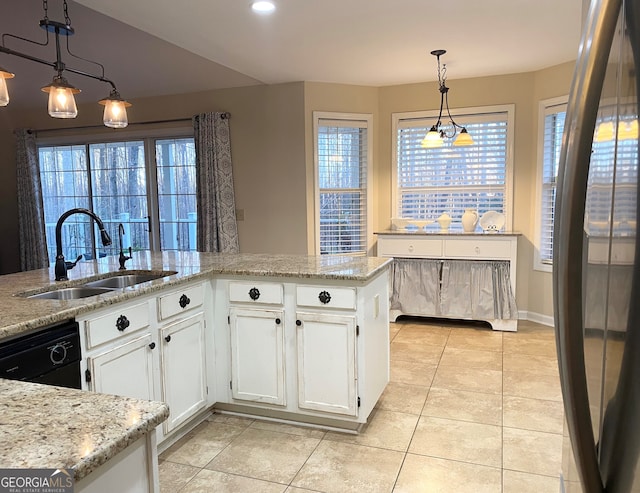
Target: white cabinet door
327,377
183,368
257,355
125,370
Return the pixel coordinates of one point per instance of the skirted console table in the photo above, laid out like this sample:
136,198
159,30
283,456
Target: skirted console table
469,276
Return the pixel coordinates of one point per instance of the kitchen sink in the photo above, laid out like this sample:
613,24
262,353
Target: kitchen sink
120,281
117,280
71,293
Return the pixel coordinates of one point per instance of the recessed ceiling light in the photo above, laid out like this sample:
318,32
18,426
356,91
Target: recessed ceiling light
263,7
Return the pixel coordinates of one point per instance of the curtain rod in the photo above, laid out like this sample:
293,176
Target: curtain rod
224,115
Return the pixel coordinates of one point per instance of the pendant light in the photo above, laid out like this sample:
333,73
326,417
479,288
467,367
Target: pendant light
436,135
62,102
115,110
4,93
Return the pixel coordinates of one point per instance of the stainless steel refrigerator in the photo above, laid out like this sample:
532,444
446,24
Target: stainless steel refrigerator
596,269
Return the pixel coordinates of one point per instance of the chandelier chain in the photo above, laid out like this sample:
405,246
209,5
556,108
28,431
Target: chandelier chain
442,74
45,7
65,8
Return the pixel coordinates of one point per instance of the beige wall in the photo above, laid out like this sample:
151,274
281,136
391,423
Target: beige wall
522,90
267,145
342,99
272,147
548,83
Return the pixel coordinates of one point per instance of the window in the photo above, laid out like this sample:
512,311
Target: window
152,194
429,182
342,162
552,115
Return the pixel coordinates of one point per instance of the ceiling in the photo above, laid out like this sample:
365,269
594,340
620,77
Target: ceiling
156,47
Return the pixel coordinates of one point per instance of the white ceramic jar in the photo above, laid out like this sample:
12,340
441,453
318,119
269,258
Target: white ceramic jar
469,220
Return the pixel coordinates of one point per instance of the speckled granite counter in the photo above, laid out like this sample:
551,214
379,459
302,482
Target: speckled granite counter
20,314
52,427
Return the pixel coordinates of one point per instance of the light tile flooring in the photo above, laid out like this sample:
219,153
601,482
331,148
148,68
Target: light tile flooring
467,410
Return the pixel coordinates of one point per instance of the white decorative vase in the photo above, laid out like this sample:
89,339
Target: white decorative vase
469,220
444,221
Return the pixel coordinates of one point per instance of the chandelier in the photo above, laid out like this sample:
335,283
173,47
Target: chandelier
62,103
436,135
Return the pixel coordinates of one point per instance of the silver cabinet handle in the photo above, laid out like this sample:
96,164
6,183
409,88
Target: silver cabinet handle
582,110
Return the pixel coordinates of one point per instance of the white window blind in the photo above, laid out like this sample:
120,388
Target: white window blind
614,160
551,143
451,179
342,159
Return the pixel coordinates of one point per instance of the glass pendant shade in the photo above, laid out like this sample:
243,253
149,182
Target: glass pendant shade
62,104
4,92
432,139
115,111
463,139
604,132
628,130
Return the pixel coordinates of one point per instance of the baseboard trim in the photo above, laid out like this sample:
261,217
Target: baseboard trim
536,317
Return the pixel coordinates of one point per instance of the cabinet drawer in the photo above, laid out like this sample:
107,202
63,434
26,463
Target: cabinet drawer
181,301
330,297
409,247
256,292
486,249
119,322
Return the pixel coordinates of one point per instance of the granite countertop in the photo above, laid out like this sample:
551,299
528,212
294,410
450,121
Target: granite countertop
42,426
21,314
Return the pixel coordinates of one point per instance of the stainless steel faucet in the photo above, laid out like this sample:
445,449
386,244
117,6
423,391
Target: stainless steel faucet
61,265
123,258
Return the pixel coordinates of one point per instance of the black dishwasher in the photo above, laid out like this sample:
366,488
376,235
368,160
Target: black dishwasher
50,356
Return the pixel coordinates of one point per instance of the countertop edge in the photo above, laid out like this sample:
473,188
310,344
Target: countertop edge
56,311
112,448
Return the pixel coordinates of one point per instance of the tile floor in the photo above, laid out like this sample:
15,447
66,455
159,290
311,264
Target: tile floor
467,410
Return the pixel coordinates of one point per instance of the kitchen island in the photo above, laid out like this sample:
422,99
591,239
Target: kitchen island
293,338
94,437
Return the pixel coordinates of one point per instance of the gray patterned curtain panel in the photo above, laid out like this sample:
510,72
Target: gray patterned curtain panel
33,244
216,224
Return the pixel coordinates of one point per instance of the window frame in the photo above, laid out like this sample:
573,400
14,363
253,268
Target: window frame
149,138
367,118
459,114
544,106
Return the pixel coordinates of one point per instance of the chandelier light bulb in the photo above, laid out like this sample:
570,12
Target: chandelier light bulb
115,111
62,103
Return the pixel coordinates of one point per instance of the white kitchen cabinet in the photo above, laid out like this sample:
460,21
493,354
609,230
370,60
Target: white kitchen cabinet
154,347
125,369
302,350
183,369
257,355
326,360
